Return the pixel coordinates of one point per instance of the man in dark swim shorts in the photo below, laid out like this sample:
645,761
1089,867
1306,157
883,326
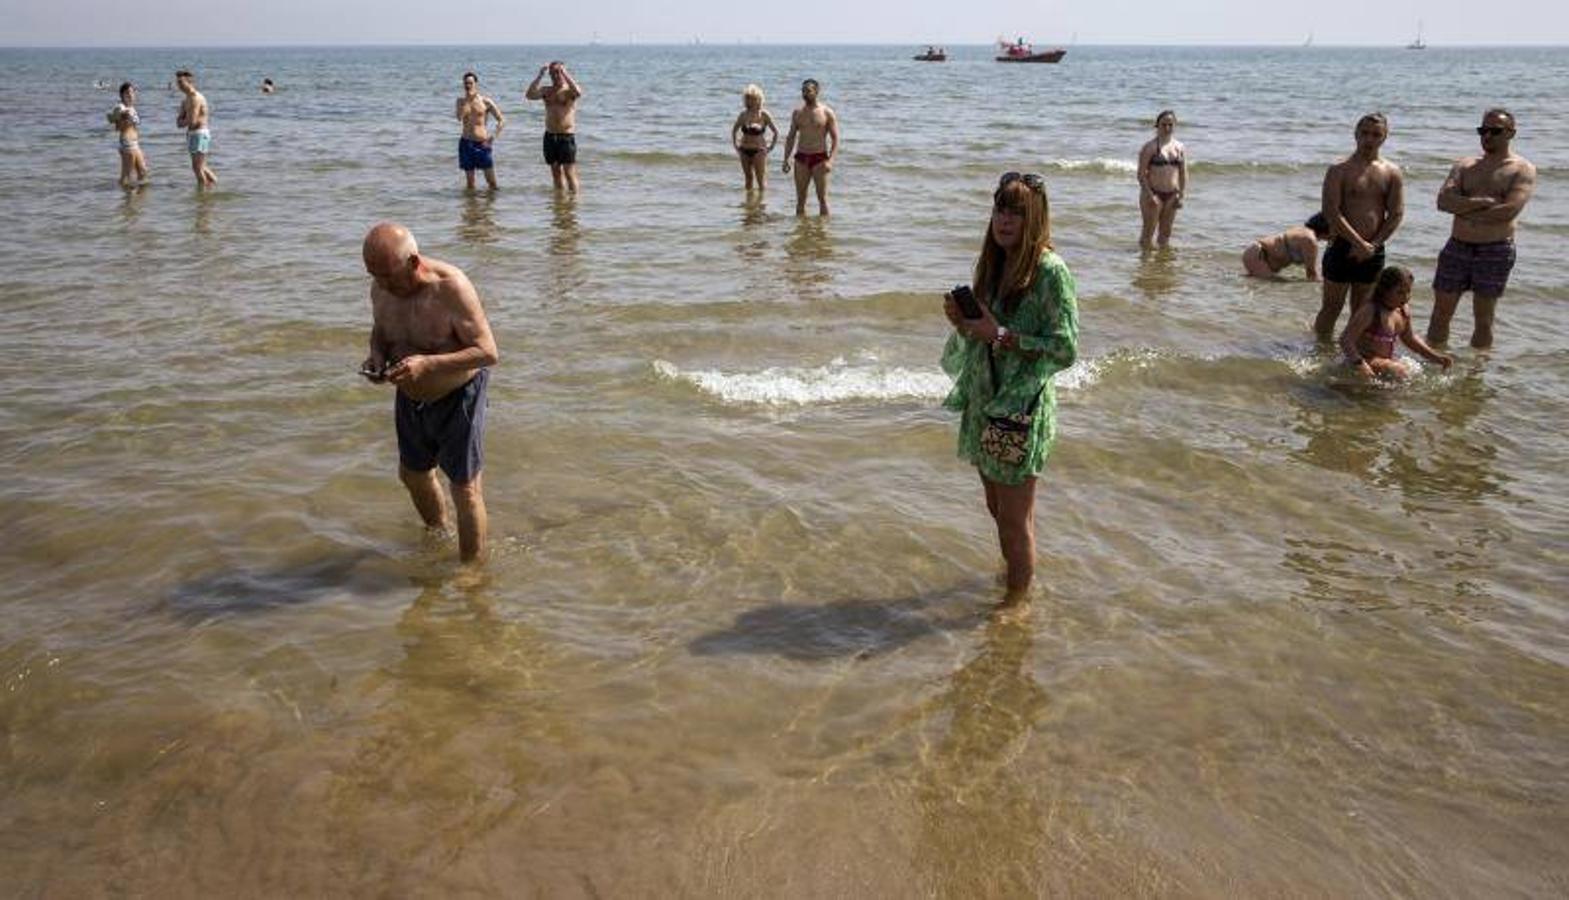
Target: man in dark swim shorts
430,339
1485,195
560,149
1341,266
1364,203
560,98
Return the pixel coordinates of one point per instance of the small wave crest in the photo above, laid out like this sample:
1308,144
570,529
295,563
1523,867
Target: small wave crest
837,382
1101,165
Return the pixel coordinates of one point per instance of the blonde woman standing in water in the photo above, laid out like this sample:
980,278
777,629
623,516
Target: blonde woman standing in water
746,135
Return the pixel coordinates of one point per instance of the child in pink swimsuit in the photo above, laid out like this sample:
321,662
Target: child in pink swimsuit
1369,338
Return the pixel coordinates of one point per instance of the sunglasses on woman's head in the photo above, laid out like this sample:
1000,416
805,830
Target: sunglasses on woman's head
1031,180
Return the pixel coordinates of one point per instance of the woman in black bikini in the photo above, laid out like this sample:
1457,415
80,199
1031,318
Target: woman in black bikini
1163,179
746,135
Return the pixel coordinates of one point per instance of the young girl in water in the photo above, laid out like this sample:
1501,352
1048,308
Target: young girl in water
1369,338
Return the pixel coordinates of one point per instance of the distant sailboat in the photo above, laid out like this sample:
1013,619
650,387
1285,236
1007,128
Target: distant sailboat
1309,41
1418,44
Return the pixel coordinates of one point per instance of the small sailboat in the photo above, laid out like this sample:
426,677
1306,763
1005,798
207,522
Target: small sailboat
1418,44
1309,41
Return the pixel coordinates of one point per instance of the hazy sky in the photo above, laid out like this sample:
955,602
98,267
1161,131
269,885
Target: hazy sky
208,22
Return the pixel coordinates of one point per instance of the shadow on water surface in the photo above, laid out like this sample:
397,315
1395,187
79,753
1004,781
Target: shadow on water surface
858,628
245,591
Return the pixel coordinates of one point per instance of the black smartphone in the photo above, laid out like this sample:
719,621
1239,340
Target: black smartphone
965,297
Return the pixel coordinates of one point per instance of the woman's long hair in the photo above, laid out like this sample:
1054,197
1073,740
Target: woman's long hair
1014,280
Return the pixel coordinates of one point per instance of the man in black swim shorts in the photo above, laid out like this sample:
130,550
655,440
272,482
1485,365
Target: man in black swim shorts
1364,201
560,97
430,339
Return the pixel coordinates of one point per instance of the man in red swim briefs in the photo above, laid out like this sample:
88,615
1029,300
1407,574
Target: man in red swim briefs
817,128
1485,195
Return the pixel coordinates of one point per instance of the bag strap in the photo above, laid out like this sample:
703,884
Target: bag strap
991,363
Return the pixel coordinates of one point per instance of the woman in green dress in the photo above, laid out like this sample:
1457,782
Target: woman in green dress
1002,363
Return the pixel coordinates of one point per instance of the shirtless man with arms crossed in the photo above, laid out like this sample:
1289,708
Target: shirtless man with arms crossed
1485,195
561,97
814,124
474,111
194,113
429,337
1364,201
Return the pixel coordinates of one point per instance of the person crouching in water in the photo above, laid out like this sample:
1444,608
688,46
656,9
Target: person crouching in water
1003,361
1369,338
1297,245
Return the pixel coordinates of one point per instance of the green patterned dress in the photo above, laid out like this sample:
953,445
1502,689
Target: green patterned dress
1046,321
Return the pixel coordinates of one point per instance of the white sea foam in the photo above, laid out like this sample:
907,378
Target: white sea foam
1102,164
837,382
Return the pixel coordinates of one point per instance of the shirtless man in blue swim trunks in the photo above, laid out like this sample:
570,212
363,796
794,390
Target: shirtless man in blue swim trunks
1485,195
429,337
1364,201
193,117
474,147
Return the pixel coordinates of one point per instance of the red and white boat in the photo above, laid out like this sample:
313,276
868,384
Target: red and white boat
1020,52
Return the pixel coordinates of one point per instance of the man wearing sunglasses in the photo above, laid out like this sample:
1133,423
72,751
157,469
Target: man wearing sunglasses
1485,195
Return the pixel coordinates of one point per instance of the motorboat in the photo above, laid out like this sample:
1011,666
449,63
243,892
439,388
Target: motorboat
932,54
1021,52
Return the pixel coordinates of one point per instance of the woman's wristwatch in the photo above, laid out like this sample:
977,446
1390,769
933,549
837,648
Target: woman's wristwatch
1002,335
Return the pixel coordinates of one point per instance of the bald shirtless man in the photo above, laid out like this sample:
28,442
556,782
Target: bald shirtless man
429,337
1485,195
817,128
474,147
1364,201
193,117
560,97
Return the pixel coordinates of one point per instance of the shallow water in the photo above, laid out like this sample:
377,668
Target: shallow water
1293,637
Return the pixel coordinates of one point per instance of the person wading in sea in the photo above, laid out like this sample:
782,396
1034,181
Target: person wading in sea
430,338
1485,195
817,128
1364,201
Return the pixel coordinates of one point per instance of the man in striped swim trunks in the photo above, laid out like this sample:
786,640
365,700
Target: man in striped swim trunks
1485,195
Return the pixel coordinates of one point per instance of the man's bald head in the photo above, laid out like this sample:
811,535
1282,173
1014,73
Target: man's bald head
391,243
391,256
